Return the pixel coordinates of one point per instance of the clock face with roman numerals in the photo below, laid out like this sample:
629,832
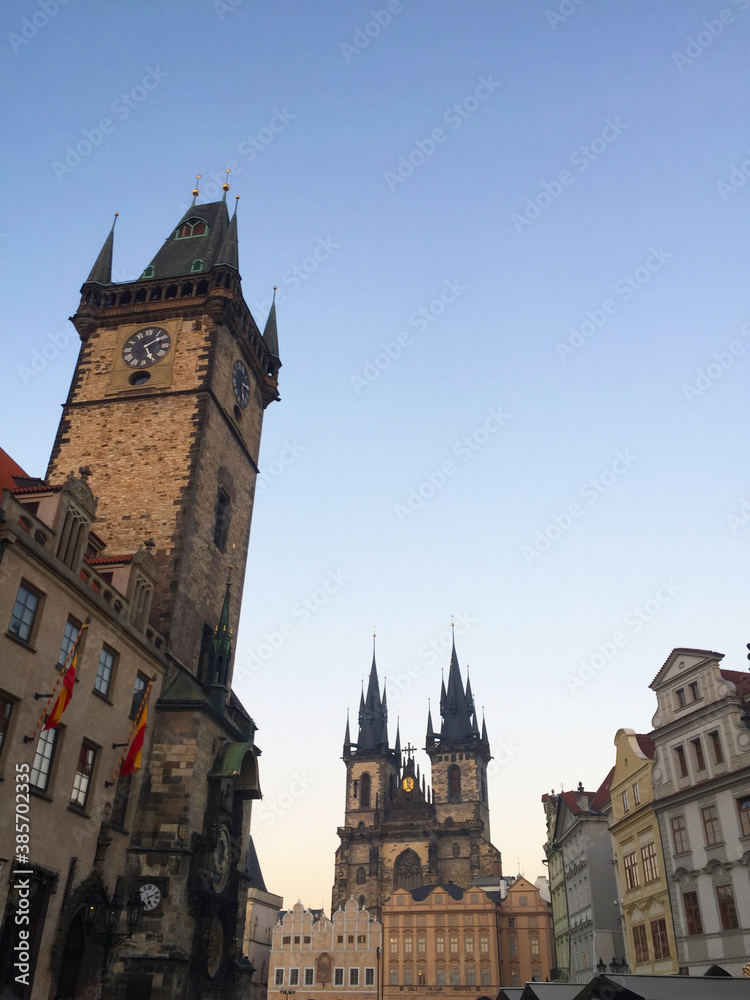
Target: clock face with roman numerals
241,384
145,347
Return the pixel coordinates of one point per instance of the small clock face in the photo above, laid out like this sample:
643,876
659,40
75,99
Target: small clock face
150,895
146,347
221,861
241,384
408,784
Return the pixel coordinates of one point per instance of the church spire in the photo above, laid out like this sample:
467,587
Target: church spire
270,333
456,705
220,653
101,272
373,713
229,251
347,739
430,741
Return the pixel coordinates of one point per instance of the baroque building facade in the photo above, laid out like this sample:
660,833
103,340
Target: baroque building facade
163,420
398,832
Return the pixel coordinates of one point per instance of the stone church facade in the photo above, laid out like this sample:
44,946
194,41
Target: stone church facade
400,833
163,419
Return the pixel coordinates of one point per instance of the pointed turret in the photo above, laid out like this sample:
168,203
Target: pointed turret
373,721
101,272
430,741
455,708
485,738
220,655
347,739
229,251
397,748
271,334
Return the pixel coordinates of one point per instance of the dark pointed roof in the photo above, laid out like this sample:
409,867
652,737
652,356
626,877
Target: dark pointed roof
176,257
252,868
229,252
222,644
373,715
101,272
456,708
430,741
271,333
347,738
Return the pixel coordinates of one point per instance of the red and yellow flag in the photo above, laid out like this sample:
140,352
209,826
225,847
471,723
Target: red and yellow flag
69,679
132,760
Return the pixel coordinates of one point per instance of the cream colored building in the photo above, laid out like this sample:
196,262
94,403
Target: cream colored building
527,952
336,959
642,875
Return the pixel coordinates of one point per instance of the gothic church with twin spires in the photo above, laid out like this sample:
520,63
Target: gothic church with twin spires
399,832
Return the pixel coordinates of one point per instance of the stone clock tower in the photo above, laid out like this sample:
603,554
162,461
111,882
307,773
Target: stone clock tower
165,408
164,413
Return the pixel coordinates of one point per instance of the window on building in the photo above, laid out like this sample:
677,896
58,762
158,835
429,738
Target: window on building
692,913
349,939
407,920
453,920
469,917
743,811
287,939
694,691
511,921
682,768
512,946
24,613
306,939
408,975
196,266
193,227
659,939
440,975
650,867
469,944
393,944
454,782
486,975
361,876
641,943
625,803
309,977
438,898
455,975
370,976
680,698
711,827
523,901
120,802
222,517
82,779
471,975
700,760
70,635
393,975
440,944
365,788
534,945
716,747
727,909
679,835
338,977
408,945
278,977
536,975
515,978
361,938
103,677
139,689
453,944
6,709
43,759
421,945
636,794
421,920
484,944
294,977
630,864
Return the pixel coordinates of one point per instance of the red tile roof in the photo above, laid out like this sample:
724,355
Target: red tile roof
740,679
8,470
109,560
602,793
646,743
694,652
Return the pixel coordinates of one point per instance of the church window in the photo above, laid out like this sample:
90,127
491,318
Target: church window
361,876
73,534
338,977
141,602
364,792
193,227
454,782
196,266
407,870
278,977
140,295
148,273
223,514
483,785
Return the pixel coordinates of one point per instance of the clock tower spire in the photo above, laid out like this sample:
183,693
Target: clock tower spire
166,407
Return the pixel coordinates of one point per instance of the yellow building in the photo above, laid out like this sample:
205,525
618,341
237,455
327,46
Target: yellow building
649,931
527,952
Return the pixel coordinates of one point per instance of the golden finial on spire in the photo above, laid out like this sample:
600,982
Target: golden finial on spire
225,185
196,192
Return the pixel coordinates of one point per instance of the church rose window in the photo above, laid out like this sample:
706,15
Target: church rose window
407,870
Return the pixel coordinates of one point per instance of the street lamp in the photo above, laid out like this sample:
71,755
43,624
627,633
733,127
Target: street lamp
102,917
601,968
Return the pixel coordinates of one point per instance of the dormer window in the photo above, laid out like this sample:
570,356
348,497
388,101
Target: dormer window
193,227
197,265
149,272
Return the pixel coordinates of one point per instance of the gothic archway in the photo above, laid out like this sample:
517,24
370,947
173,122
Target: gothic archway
407,870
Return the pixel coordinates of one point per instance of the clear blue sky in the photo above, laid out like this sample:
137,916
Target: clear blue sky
539,216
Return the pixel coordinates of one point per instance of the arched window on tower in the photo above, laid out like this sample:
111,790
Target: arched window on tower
193,227
407,870
364,790
361,876
454,783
